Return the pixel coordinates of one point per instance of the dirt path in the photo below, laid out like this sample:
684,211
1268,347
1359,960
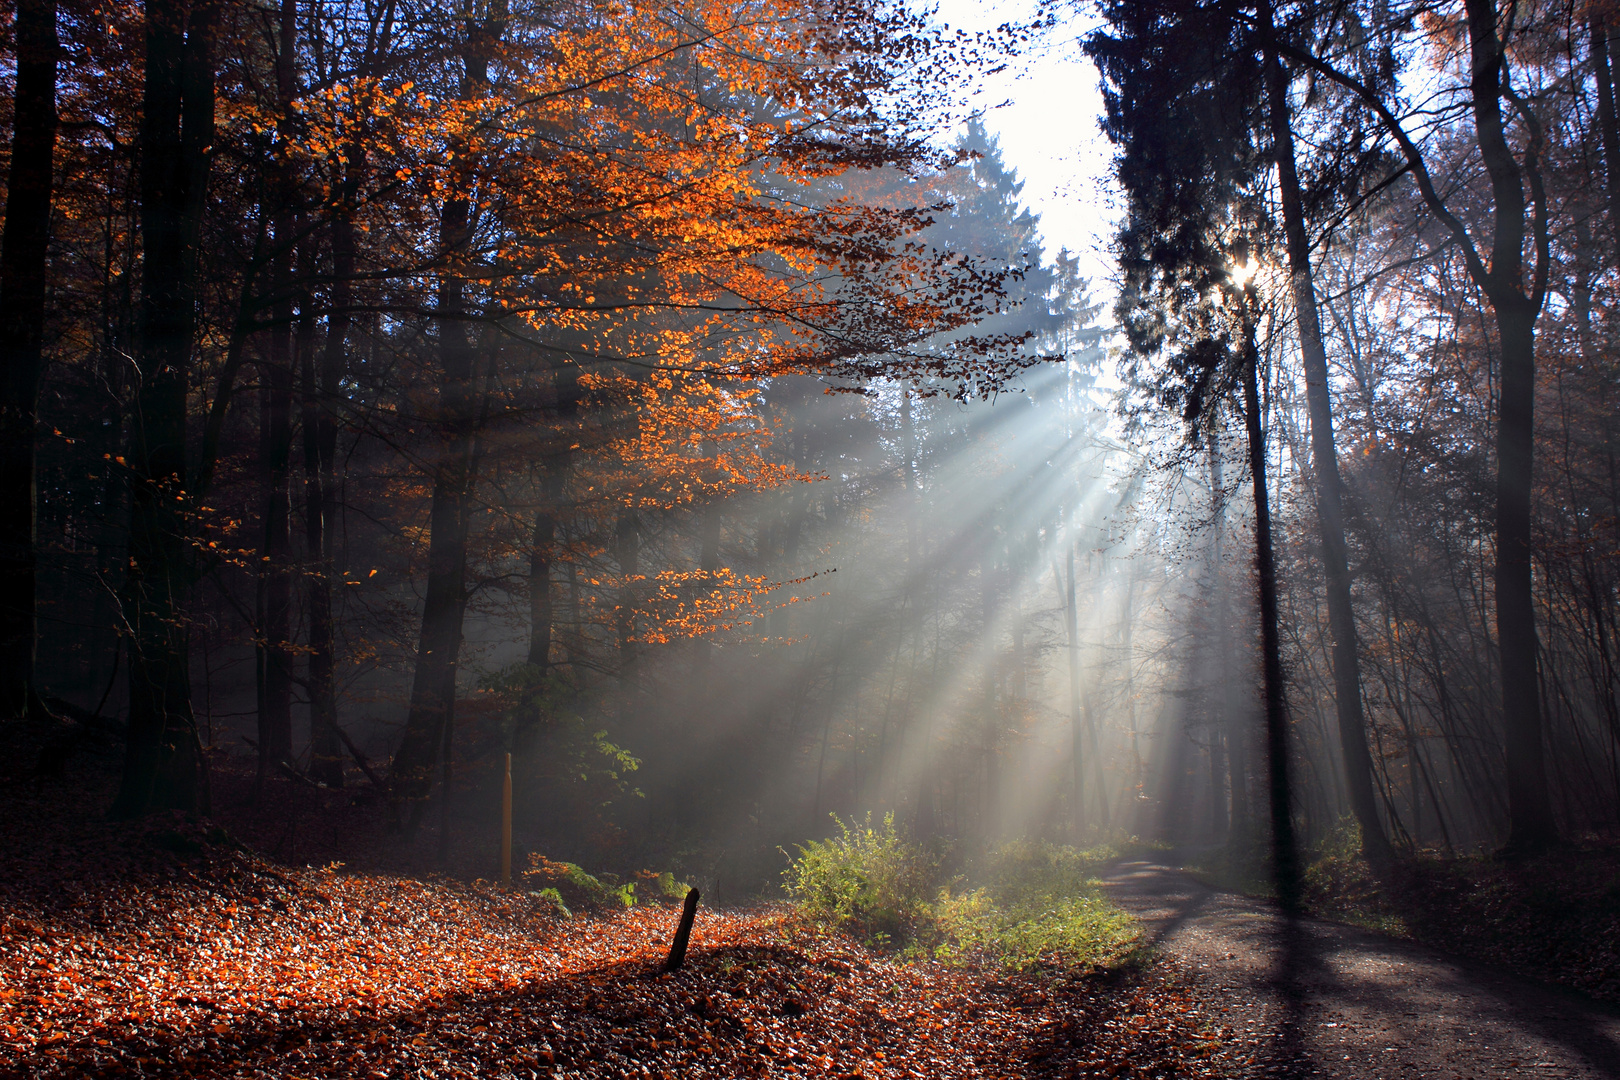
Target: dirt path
1319,999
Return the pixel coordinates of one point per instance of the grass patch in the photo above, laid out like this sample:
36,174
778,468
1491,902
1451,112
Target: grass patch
1022,905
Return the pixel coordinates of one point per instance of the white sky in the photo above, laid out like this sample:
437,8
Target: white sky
1045,110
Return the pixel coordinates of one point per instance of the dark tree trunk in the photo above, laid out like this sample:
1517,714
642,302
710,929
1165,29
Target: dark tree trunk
22,337
163,764
1284,853
541,555
275,552
1232,726
320,393
1329,485
1532,828
429,722
1608,125
275,437
444,606
1219,661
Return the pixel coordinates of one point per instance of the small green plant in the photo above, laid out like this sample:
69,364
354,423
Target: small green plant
577,889
554,898
663,886
1080,931
867,879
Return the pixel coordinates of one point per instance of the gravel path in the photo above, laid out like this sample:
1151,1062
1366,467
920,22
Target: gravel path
1311,998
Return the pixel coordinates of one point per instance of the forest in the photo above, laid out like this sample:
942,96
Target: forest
488,472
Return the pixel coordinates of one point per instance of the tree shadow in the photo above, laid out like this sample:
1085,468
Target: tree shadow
611,1020
1142,881
1313,972
1307,987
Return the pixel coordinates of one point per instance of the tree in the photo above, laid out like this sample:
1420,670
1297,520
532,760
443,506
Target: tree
1182,94
1516,303
1329,485
1345,162
163,764
22,332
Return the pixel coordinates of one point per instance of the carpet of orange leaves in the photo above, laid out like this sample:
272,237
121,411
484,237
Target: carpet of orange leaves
166,949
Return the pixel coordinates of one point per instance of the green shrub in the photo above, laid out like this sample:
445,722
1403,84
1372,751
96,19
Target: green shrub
1081,931
867,879
1024,869
1036,902
1023,904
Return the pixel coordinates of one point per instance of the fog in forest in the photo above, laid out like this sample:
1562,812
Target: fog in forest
721,441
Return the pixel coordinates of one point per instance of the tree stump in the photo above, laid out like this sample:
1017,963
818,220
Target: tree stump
683,933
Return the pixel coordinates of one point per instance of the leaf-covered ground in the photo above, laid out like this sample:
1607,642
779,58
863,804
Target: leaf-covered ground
167,949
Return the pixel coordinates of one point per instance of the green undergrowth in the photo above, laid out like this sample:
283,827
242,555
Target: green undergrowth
1021,905
570,888
1338,884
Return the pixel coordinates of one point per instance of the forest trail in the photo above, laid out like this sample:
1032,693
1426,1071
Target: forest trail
1314,998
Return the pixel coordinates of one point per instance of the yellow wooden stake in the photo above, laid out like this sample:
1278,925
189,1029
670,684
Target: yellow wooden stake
506,825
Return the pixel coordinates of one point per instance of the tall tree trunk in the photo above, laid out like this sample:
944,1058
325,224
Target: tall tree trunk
1216,661
444,606
1233,725
319,403
1284,853
275,550
429,721
325,751
1071,627
163,764
1329,485
1532,828
22,336
321,395
275,432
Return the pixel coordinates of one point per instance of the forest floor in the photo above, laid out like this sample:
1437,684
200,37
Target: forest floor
1307,997
166,948
181,947
244,947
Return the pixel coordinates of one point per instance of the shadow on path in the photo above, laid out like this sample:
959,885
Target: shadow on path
1312,998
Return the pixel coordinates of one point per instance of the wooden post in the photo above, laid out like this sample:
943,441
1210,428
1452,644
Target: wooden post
677,949
506,825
